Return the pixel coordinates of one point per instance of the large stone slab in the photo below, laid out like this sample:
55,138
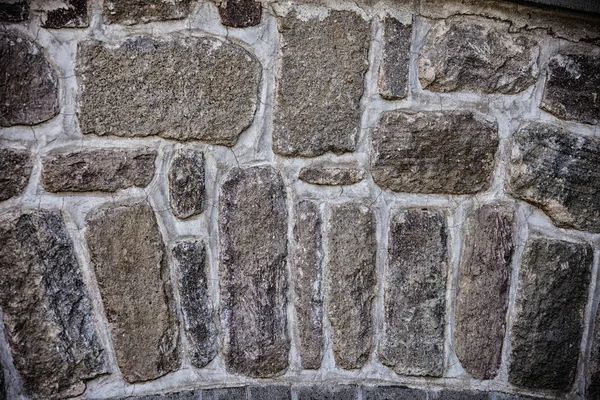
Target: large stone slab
549,310
350,281
449,152
331,175
14,10
252,272
558,171
186,183
592,390
47,312
240,13
66,14
143,11
15,169
321,83
395,59
327,392
128,255
184,88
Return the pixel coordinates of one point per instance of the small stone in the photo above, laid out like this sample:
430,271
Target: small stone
187,395
318,96
186,183
144,11
235,393
448,394
504,396
326,392
14,10
548,318
351,281
270,392
448,152
71,14
104,170
332,176
415,293
240,13
15,169
392,393
128,255
393,71
592,390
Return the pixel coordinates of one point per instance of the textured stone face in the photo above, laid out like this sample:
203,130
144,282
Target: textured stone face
183,88
327,392
393,71
15,169
433,152
252,272
240,13
549,307
318,95
128,256
234,393
332,176
270,392
72,14
448,394
393,393
14,11
415,293
592,390
482,294
351,280
559,172
504,396
143,11
477,54
186,183
105,170
29,93
47,312
187,395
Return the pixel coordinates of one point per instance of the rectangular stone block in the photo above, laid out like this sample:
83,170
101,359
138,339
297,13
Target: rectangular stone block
270,392
392,393
240,13
395,59
332,175
14,10
15,169
143,11
327,392
187,183
233,393
451,394
592,390
69,14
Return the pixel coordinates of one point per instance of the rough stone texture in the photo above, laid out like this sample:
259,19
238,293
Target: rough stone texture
128,256
14,10
393,71
198,312
592,390
15,169
187,395
317,102
471,53
548,320
415,293
253,254
143,11
482,291
308,258
29,93
240,13
186,183
433,152
559,172
392,393
234,393
47,311
327,392
449,394
351,280
332,175
504,396
176,87
72,14
270,392
572,88
105,169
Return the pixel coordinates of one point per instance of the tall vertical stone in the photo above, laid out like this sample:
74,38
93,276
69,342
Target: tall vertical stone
393,71
15,169
592,390
186,183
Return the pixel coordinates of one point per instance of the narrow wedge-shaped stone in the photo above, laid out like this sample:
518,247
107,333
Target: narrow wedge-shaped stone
15,169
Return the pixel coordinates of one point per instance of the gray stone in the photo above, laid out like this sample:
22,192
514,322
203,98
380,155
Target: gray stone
15,169
392,393
415,293
332,175
449,152
327,392
548,318
395,59
186,183
592,390
184,88
105,169
234,393
240,13
198,312
144,11
71,14
573,88
472,53
558,171
47,312
482,292
187,395
253,276
29,93
505,396
351,280
321,84
449,394
128,255
14,10
270,392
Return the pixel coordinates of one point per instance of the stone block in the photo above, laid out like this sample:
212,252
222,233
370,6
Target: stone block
143,11
327,392
14,10
233,393
592,390
270,392
70,14
186,183
332,175
15,168
240,13
392,393
395,59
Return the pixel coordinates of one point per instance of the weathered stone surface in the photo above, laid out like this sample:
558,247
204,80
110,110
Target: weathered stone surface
47,311
482,292
240,13
548,320
572,88
29,93
105,169
433,152
253,238
449,394
128,255
317,102
234,393
143,11
15,169
332,175
559,172
415,293
176,87
592,390
70,14
187,395
270,392
392,393
470,53
308,258
393,71
14,10
326,392
351,281
196,306
186,183
505,396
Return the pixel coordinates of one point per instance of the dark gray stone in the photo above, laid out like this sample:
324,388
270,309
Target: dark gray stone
592,390
128,255
143,11
47,312
186,183
318,95
183,88
548,317
235,393
415,293
332,175
351,281
327,392
392,393
72,14
449,394
252,272
240,13
393,71
14,10
187,395
270,392
15,169
505,396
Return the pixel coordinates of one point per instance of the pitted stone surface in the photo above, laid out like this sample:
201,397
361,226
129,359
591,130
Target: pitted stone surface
393,71
187,395
47,312
448,394
327,392
184,88
415,293
549,310
332,175
14,10
234,393
186,183
71,14
253,277
318,95
15,169
504,396
128,256
392,393
240,13
592,390
270,392
448,152
143,11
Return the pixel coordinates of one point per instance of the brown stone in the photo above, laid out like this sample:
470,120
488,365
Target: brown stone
332,175
15,169
186,183
240,13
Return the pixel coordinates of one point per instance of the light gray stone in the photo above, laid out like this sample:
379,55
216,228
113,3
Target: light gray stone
186,183
393,71
327,392
332,175
142,11
15,169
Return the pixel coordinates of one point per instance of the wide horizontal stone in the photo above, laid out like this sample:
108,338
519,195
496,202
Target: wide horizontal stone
270,392
392,393
451,394
234,393
143,11
184,88
186,395
327,392
14,10
70,14
186,183
15,169
592,390
240,13
332,175
395,59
